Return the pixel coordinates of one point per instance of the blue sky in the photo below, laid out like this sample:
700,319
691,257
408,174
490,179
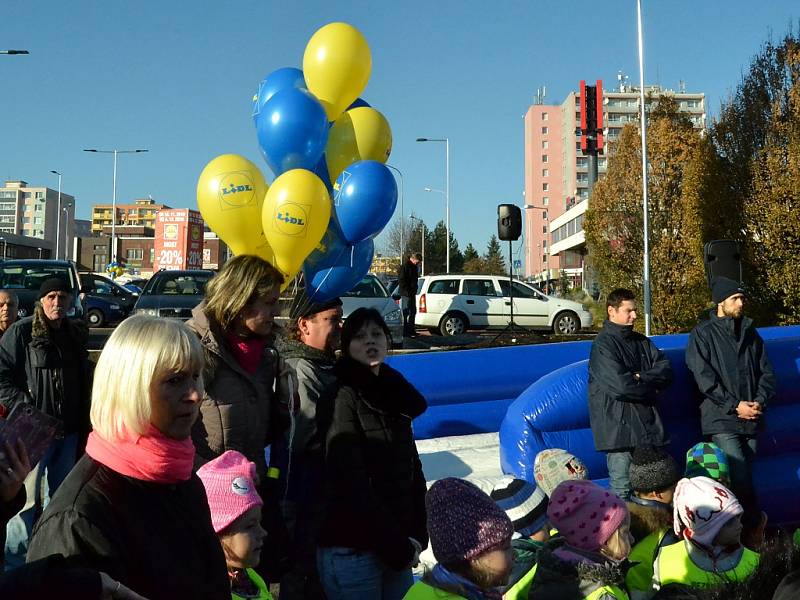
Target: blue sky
177,78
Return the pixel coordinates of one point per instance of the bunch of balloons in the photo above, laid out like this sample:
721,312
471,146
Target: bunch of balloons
332,192
114,269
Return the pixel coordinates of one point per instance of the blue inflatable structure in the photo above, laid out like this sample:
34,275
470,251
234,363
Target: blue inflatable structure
469,391
553,413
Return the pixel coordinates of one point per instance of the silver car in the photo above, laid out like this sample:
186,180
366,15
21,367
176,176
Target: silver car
370,293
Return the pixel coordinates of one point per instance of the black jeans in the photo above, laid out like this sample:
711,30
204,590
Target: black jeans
409,306
741,452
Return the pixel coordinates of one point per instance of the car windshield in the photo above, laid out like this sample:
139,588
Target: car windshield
30,277
369,287
178,284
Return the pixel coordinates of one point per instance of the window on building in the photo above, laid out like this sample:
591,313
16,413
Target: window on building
544,228
581,162
7,194
544,158
545,130
545,144
26,220
545,172
99,246
37,220
544,243
135,253
39,195
578,146
26,195
545,187
544,116
578,132
38,208
7,219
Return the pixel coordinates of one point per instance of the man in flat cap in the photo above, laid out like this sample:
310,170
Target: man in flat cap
44,362
308,352
727,357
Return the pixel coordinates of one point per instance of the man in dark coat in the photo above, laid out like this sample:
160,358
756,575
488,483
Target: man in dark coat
44,362
407,278
726,355
626,374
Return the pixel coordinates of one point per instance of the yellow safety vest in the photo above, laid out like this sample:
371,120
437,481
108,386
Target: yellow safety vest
422,591
640,576
519,591
263,590
611,590
675,566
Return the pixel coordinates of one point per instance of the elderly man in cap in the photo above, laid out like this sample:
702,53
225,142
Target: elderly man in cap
727,357
309,353
44,363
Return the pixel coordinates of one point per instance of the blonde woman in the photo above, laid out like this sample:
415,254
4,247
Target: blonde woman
239,410
132,507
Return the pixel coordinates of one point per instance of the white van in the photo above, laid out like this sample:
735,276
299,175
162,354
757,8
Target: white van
451,304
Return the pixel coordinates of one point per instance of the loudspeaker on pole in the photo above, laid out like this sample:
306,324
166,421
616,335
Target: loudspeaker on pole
509,222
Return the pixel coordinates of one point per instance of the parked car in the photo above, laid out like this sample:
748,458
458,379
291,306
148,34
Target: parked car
25,276
105,301
173,294
370,293
452,304
134,285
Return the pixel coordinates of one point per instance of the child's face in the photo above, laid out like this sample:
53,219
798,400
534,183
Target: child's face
730,534
243,541
497,564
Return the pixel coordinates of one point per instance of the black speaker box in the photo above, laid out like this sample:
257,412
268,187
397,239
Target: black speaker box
722,258
509,222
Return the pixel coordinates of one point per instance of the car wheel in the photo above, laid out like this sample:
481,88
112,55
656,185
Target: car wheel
566,323
95,318
452,324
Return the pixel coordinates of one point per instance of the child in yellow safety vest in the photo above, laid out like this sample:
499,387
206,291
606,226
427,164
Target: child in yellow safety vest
471,539
235,507
586,561
653,475
708,517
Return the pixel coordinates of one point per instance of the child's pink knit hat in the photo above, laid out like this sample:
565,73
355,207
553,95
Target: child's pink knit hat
230,486
585,514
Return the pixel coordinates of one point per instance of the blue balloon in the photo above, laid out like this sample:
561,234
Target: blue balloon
350,267
292,131
321,171
364,199
358,103
329,248
281,79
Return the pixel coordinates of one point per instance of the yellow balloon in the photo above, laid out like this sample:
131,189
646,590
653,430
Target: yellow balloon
359,134
230,193
295,216
336,66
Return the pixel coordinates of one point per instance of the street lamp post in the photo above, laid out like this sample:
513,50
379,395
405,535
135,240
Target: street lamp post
40,252
546,248
14,52
646,221
58,212
114,195
421,222
446,192
402,214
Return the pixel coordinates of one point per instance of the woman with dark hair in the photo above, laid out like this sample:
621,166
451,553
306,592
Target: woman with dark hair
375,519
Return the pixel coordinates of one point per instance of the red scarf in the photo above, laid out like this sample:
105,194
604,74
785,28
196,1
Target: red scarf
149,457
247,352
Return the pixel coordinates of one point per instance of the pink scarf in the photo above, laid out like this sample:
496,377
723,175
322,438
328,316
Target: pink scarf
149,457
247,352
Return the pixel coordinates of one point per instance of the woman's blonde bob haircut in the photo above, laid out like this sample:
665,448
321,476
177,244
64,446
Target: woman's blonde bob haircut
139,350
242,279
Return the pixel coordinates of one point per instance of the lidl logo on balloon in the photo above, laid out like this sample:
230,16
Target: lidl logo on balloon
291,219
236,190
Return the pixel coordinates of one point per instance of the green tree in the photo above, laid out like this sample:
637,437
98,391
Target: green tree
681,172
493,259
470,253
756,140
473,263
435,256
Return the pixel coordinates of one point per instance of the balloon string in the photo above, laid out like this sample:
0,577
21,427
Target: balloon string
328,272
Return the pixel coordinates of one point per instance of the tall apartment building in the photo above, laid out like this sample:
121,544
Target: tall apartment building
33,212
142,213
557,173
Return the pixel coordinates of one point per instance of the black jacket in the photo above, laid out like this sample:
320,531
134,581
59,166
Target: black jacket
375,489
407,278
54,377
622,410
157,539
727,371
